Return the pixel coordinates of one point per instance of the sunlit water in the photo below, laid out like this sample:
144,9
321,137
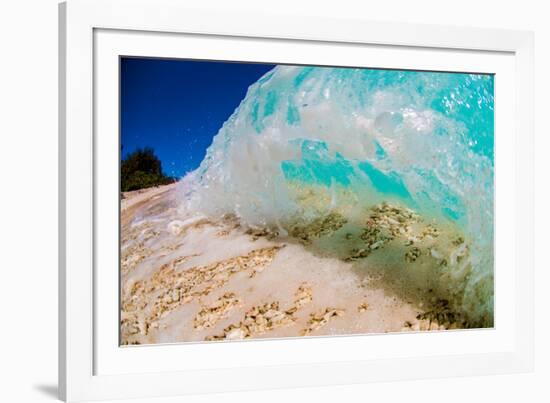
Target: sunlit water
349,139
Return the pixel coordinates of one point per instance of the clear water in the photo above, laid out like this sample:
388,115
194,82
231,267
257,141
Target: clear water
421,139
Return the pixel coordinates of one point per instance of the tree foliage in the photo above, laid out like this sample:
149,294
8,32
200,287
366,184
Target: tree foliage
142,169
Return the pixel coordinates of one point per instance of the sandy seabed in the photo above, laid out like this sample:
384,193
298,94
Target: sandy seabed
191,279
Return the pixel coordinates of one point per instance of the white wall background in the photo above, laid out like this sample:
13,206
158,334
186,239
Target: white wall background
28,199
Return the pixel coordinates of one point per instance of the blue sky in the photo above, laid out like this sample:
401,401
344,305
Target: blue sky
177,106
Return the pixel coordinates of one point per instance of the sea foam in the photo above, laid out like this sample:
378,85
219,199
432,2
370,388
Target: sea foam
352,138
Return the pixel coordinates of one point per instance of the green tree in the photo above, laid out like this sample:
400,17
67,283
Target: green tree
142,169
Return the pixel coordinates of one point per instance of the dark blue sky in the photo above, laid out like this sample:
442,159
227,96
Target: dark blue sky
177,106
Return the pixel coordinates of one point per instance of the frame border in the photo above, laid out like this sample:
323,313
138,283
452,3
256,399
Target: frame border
77,21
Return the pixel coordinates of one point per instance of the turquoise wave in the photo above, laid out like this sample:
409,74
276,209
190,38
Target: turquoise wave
422,139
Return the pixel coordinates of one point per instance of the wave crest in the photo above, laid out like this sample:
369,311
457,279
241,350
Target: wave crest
354,138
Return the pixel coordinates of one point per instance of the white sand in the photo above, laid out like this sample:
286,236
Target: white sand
180,274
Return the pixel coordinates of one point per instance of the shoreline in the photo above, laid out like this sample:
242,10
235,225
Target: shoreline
190,279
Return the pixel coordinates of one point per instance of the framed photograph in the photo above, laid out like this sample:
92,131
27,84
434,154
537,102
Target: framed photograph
256,201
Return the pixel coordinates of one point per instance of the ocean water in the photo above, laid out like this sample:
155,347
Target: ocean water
353,138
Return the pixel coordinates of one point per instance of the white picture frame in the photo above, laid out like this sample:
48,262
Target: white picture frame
94,33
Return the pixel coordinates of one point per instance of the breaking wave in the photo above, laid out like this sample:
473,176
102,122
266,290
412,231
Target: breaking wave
307,141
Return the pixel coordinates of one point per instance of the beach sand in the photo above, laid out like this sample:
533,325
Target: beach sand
191,279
